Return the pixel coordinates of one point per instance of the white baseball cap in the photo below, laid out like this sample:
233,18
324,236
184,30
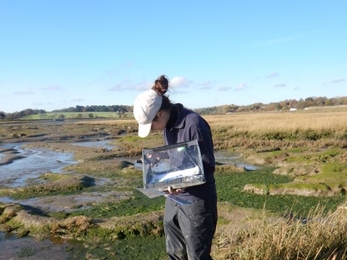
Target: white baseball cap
146,106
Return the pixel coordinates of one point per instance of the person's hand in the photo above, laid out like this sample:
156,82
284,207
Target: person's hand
172,191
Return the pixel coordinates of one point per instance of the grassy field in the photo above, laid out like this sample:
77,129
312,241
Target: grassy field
77,115
292,207
286,122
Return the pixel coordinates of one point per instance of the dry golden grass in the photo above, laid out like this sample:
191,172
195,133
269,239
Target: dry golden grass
108,122
321,236
281,121
264,131
286,121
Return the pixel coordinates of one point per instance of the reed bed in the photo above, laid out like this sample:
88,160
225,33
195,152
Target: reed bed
279,130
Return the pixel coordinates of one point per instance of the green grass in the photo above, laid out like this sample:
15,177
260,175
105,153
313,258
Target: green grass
139,203
333,174
230,185
144,248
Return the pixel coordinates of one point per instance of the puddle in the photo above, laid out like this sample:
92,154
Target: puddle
30,248
225,157
247,167
34,163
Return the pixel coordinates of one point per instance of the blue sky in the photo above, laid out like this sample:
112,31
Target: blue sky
61,53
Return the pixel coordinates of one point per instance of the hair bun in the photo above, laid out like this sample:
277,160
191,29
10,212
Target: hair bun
161,85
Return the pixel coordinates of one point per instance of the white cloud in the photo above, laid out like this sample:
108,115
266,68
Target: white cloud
334,81
178,82
276,41
338,80
128,84
241,86
272,75
224,88
205,85
40,104
24,93
77,100
52,87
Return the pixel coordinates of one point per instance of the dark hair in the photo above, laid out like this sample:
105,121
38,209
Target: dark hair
161,86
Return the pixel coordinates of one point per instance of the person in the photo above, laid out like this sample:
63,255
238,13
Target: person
188,228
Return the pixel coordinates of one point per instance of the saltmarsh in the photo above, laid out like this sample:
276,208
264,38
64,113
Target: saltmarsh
301,168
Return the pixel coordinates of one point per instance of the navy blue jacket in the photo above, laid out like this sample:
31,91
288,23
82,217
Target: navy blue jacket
191,126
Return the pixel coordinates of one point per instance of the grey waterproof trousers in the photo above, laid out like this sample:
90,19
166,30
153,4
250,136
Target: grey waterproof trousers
189,229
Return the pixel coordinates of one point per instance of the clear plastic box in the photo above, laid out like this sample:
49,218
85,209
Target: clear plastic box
178,166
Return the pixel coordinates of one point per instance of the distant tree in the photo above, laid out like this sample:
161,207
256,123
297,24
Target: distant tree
320,101
12,116
310,102
2,115
103,109
231,109
272,107
279,106
61,116
27,112
257,106
88,109
90,115
120,113
79,108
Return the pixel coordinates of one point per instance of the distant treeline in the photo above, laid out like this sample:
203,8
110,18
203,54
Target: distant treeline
120,109
285,105
102,108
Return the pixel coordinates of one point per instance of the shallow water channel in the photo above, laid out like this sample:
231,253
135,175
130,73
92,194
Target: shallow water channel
32,164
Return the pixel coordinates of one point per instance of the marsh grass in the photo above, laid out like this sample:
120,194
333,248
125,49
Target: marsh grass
52,185
145,248
231,189
298,129
319,236
257,123
138,203
292,227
